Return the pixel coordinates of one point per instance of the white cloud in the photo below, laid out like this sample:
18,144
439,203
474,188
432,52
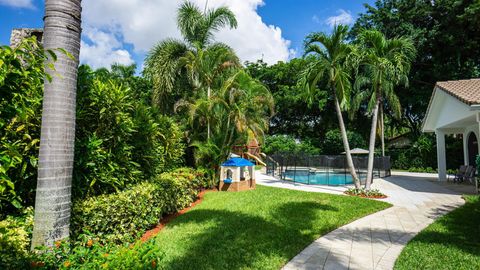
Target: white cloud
102,50
343,17
18,3
143,23
316,19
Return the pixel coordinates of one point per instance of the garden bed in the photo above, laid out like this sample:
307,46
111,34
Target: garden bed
369,194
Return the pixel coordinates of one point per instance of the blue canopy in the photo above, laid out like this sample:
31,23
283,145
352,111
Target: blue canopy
237,162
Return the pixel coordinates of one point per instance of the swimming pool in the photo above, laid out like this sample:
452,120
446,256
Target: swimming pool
318,178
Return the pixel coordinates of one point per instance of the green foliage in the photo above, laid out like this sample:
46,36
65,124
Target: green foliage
421,156
286,143
89,253
292,117
171,62
123,216
447,46
21,87
15,234
120,140
333,144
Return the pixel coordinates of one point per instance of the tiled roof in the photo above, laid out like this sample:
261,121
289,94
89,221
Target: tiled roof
467,91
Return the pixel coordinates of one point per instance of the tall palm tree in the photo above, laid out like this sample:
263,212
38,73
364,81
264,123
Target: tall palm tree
53,195
333,65
385,64
163,63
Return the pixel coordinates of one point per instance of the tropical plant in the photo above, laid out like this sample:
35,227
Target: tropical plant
239,109
120,139
21,84
57,140
385,63
333,66
164,65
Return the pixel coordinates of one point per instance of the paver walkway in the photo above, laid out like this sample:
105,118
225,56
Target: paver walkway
375,241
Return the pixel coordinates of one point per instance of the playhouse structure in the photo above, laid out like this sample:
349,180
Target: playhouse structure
237,174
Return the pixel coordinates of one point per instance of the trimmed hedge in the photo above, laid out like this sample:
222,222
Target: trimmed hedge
124,216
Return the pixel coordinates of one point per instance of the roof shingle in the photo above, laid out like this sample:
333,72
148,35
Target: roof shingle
467,91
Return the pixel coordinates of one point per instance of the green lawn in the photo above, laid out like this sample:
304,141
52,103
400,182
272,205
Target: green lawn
451,242
259,229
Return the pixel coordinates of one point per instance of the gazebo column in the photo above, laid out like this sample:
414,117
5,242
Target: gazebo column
441,156
465,148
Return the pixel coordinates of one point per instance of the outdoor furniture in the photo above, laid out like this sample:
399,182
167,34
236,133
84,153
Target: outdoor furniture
460,173
470,175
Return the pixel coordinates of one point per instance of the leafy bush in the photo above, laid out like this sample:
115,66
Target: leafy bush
333,144
15,233
89,253
422,157
287,143
120,141
21,87
123,216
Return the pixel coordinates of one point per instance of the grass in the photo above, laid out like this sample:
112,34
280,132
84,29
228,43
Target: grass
451,242
260,229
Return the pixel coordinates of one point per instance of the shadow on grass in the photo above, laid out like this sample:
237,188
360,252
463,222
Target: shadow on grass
239,241
460,228
451,240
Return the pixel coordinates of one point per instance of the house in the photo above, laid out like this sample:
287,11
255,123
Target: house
455,109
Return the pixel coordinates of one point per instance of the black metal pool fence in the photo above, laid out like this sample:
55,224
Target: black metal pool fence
286,166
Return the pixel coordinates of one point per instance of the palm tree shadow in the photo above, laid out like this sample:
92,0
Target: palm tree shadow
240,241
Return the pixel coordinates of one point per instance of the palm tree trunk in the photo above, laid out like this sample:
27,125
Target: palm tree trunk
346,145
371,147
53,195
382,130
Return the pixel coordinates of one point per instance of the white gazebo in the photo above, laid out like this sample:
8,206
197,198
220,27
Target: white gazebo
455,109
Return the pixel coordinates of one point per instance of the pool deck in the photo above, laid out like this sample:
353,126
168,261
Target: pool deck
375,241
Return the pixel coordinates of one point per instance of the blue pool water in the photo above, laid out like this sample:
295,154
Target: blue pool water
319,178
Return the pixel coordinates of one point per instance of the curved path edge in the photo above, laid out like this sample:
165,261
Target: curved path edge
375,241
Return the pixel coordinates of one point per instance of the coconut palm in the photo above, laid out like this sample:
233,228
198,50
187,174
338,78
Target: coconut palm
332,65
53,195
385,64
163,63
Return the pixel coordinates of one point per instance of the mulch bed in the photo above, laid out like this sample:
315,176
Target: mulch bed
168,218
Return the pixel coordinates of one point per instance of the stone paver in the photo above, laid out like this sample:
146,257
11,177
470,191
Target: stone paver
375,241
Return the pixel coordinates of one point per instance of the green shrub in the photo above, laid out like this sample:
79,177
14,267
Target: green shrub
120,140
21,87
287,143
92,254
333,143
123,216
15,233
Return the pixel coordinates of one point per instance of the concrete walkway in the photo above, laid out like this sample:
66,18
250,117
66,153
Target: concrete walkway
375,241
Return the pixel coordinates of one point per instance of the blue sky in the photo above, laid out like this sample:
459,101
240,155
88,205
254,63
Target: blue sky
272,29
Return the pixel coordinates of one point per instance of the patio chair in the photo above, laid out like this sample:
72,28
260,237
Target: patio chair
470,175
460,174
